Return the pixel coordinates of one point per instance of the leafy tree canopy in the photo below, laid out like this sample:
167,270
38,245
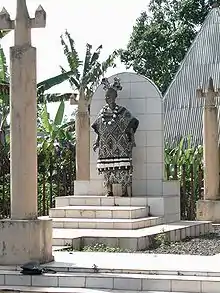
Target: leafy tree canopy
162,36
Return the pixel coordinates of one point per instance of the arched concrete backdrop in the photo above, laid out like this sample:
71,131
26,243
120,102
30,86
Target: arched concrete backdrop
142,98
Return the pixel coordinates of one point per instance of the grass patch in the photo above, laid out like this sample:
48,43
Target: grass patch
100,247
157,243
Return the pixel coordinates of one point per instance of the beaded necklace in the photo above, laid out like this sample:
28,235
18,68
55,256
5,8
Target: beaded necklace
107,112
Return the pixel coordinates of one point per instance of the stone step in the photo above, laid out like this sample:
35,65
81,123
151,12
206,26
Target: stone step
132,263
111,281
60,248
135,263
124,224
28,289
139,239
99,212
63,201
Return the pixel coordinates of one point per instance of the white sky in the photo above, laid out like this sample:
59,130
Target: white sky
106,22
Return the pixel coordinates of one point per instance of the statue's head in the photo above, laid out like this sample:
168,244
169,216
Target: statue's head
111,90
110,96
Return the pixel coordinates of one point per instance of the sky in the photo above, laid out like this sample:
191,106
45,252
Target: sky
96,22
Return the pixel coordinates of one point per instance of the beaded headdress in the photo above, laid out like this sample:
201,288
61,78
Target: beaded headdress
115,85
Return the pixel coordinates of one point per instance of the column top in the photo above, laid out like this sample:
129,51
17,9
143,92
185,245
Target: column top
22,24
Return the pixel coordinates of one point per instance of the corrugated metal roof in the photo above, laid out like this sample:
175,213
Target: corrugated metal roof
183,110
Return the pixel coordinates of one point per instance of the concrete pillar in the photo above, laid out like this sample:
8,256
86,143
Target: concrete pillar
82,146
209,208
24,237
23,132
82,141
210,146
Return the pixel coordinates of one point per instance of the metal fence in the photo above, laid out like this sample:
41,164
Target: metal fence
56,175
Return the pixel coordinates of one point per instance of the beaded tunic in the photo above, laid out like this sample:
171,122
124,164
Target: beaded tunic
115,129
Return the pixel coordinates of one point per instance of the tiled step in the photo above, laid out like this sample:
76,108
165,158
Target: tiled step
28,289
136,263
129,239
124,224
100,200
132,263
60,248
111,281
99,212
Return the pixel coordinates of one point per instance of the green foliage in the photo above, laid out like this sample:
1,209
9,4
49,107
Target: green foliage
56,144
183,154
4,111
51,82
54,133
85,75
54,97
161,38
161,239
41,87
100,247
60,114
4,134
4,76
184,162
3,33
56,161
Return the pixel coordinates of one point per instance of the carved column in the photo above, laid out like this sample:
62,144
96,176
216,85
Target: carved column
210,144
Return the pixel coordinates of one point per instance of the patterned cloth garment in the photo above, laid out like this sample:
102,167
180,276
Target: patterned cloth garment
115,129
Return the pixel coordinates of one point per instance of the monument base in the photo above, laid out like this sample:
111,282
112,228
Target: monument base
208,210
81,187
22,241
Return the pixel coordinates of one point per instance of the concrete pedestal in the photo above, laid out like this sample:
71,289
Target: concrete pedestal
25,240
208,210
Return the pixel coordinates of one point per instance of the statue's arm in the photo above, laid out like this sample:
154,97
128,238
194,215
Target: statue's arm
134,124
132,129
96,143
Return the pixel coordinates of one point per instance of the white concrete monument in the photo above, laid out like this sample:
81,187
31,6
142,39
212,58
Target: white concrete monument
140,96
24,237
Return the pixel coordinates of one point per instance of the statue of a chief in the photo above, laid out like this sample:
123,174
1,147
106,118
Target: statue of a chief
115,128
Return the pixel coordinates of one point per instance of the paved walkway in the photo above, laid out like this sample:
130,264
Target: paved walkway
138,262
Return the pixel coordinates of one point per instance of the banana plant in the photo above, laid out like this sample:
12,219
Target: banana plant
85,75
54,133
47,84
41,87
184,153
56,154
4,98
185,163
84,80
